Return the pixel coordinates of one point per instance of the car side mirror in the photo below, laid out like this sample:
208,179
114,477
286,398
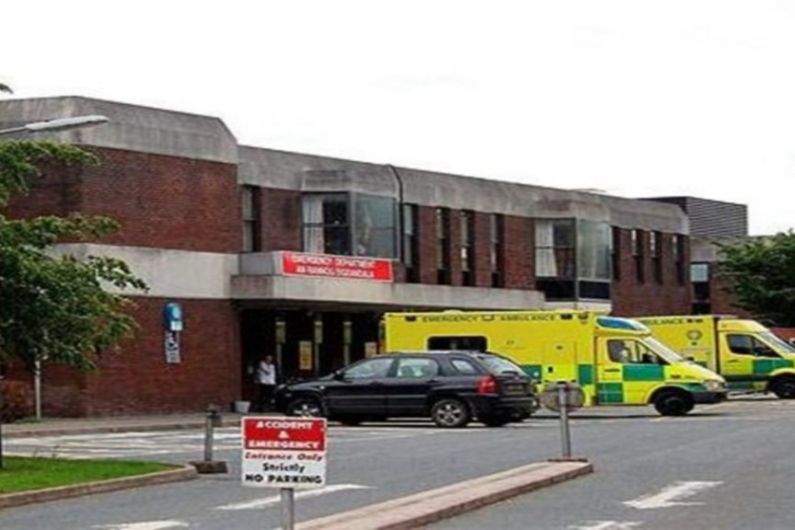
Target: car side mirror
339,375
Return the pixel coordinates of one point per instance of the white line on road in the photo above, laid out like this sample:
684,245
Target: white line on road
606,525
270,501
666,497
149,525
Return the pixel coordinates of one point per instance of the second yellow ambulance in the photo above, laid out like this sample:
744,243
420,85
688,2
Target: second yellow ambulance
747,354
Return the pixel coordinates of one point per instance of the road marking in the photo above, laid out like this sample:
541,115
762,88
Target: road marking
665,498
149,525
276,499
606,525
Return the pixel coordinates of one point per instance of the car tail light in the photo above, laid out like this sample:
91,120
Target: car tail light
487,385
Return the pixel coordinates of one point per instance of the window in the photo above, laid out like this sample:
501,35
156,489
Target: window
631,352
616,253
749,345
573,259
499,365
250,210
467,248
442,243
555,243
411,243
417,368
496,264
472,343
594,247
699,272
700,280
349,224
678,251
370,369
655,249
638,255
464,367
374,226
326,223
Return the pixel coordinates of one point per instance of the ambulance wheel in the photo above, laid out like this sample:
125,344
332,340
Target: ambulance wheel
783,387
673,403
450,413
306,407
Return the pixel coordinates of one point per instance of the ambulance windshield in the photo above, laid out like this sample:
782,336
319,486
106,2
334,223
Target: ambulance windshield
778,344
664,351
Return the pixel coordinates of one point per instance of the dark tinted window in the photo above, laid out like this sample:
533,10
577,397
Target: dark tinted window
458,343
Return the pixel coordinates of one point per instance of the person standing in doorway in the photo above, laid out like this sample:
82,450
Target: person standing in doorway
265,377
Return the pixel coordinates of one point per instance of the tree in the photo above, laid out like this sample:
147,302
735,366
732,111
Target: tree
760,274
55,306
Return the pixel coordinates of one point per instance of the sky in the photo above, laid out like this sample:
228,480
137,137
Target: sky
637,98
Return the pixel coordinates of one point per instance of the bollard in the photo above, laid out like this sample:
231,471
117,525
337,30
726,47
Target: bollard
208,465
565,434
288,508
212,418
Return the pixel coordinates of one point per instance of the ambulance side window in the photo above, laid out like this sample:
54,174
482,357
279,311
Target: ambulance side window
748,345
630,352
471,343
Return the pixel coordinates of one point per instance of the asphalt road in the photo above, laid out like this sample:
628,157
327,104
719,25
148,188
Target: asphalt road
732,459
732,468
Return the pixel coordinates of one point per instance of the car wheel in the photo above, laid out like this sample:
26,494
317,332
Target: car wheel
450,413
306,407
495,421
784,388
673,403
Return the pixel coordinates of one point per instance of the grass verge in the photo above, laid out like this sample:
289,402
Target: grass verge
27,474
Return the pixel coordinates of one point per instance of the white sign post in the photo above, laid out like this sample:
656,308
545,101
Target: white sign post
285,453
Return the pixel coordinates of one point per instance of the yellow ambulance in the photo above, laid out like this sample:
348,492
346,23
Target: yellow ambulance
615,360
747,354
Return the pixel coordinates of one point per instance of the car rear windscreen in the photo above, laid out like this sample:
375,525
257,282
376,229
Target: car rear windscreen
499,365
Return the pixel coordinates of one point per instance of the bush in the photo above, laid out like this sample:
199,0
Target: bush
16,401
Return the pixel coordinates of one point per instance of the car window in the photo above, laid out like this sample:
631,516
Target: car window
464,367
416,368
374,368
498,365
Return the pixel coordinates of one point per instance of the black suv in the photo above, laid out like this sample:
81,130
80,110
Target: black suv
452,387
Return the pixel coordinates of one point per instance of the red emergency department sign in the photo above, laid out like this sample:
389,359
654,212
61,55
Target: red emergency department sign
343,267
284,452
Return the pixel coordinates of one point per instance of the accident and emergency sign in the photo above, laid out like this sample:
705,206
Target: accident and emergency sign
284,452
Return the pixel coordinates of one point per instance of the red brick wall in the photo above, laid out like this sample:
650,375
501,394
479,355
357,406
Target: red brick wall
426,232
160,201
720,299
280,215
137,380
518,252
631,298
482,249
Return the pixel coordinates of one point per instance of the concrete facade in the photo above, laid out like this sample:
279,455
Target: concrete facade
174,182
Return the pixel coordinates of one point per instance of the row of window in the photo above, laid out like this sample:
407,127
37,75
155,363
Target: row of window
574,258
